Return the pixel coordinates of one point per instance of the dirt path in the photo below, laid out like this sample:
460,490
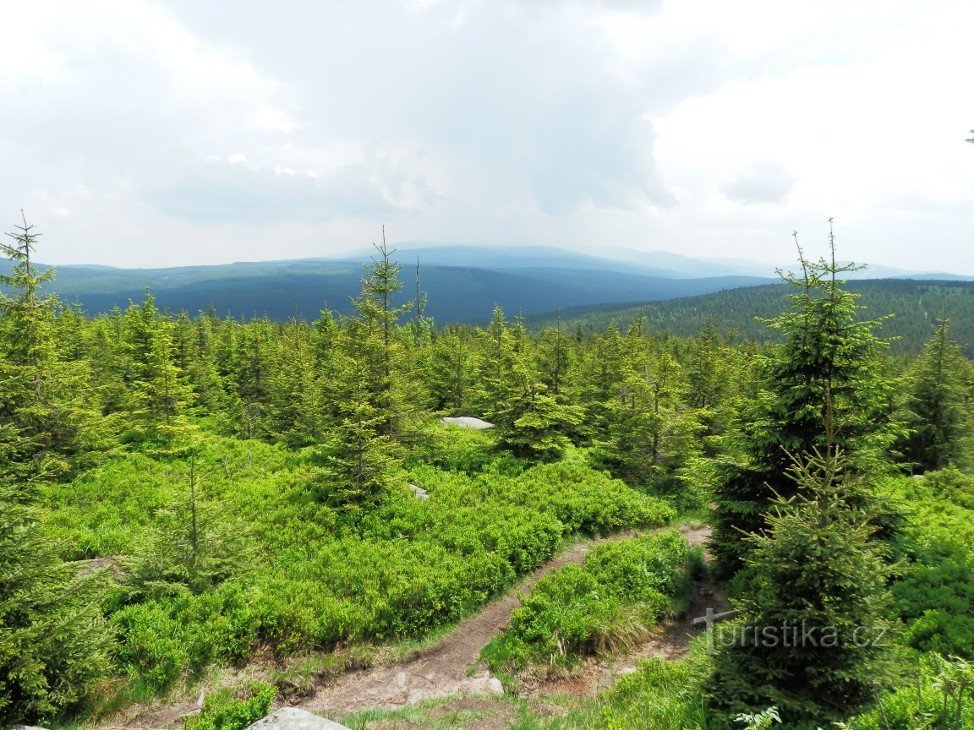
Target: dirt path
449,667
441,670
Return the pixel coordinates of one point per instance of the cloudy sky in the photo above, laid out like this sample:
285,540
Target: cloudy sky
139,133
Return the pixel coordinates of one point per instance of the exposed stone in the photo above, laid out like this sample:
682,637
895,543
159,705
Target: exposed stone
419,492
291,718
466,422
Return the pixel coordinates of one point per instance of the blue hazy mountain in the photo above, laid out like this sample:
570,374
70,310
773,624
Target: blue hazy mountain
463,282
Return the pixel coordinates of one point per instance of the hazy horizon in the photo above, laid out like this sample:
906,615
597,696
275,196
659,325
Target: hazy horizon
157,134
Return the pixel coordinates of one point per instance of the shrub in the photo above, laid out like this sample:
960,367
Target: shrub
651,563
607,604
587,501
570,614
151,649
226,710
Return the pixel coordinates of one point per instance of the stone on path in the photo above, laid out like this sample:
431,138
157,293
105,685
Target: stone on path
291,718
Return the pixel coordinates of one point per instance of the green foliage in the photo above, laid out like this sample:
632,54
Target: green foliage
823,386
53,644
937,414
816,582
934,590
939,695
604,606
227,710
245,485
739,312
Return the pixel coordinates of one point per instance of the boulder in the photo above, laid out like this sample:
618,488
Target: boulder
291,718
466,422
419,492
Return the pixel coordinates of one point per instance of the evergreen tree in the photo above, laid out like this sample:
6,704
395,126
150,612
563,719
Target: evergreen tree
45,398
449,371
379,350
53,641
295,410
358,459
811,635
530,421
650,434
160,395
191,546
936,410
826,350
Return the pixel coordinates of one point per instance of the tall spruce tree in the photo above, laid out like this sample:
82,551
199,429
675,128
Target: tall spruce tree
826,349
530,421
379,350
811,636
937,414
45,398
160,393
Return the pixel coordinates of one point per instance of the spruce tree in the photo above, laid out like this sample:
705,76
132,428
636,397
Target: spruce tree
530,421
160,395
936,411
53,641
358,459
450,374
811,635
45,398
826,349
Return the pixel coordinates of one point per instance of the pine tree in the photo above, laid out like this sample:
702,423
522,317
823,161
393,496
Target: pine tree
359,458
295,409
53,641
529,421
449,371
379,351
45,398
191,546
160,393
826,350
936,413
650,434
811,633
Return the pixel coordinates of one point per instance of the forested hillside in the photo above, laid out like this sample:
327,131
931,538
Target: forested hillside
205,517
282,290
915,306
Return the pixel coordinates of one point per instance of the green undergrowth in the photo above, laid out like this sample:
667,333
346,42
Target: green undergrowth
271,571
604,606
934,592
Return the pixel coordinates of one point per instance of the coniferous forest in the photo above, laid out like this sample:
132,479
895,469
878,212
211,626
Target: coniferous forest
223,516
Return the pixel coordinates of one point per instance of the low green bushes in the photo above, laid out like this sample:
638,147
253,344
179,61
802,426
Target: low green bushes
228,710
605,605
275,569
934,593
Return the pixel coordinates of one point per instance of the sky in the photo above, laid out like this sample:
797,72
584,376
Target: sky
140,133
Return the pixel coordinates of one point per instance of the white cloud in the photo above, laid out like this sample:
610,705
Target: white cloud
208,131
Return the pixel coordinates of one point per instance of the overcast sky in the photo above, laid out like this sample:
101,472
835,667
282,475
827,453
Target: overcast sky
140,133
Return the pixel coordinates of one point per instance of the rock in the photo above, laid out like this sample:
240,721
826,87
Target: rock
291,718
419,492
485,685
466,422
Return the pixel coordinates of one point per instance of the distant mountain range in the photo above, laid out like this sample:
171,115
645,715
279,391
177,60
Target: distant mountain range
650,263
916,305
463,282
